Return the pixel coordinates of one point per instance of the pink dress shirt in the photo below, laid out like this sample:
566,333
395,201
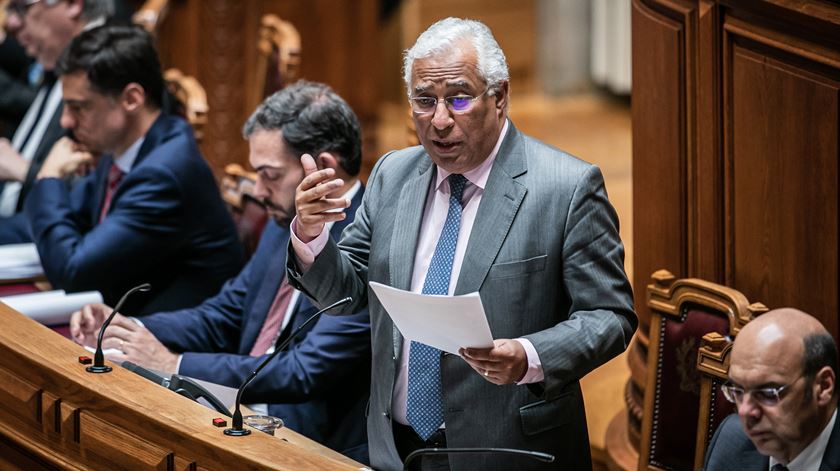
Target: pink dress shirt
434,216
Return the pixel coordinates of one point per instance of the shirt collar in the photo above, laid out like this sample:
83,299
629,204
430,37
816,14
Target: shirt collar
479,175
811,456
125,161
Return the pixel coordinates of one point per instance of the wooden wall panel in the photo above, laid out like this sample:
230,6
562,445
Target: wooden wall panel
215,40
736,142
782,181
658,169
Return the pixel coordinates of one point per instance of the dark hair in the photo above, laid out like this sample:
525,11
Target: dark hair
820,351
114,56
93,9
313,119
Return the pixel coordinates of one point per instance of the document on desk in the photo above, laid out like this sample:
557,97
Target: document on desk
18,261
444,322
51,307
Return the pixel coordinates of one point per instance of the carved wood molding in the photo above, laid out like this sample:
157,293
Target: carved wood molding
54,413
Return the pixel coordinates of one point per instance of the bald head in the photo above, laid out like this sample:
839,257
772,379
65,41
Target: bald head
789,352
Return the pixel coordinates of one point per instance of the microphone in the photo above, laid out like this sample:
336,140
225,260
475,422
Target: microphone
535,455
98,357
237,430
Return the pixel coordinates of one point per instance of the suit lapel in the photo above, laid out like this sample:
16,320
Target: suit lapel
831,456
404,239
502,198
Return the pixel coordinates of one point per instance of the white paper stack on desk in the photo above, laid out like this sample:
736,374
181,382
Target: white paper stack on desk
19,261
51,307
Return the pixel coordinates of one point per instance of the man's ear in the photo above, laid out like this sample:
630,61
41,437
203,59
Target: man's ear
824,384
501,95
74,8
327,160
133,97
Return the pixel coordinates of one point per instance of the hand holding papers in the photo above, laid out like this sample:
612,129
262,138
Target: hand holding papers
447,323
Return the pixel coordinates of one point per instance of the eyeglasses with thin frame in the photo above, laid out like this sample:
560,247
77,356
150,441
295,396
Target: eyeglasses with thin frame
763,396
20,7
424,105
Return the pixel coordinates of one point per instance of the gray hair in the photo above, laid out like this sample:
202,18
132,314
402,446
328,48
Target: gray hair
94,9
442,36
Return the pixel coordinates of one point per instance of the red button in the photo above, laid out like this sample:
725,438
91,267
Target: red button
220,422
85,360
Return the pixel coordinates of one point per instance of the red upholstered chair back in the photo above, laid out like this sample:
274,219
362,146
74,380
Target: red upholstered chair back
682,312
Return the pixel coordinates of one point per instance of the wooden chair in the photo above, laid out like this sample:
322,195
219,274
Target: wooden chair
191,100
713,365
683,312
249,214
278,58
151,14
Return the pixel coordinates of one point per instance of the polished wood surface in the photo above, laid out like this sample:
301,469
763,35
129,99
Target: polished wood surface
216,41
55,415
735,151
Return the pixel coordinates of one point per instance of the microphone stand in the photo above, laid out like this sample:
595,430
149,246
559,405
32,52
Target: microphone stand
536,455
237,429
99,365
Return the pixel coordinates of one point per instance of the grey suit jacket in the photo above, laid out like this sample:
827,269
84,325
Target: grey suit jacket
546,258
731,448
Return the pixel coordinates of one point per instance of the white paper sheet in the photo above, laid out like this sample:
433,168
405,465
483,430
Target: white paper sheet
51,307
444,322
19,261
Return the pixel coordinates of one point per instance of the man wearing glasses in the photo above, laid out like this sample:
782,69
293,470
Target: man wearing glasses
782,375
44,28
478,207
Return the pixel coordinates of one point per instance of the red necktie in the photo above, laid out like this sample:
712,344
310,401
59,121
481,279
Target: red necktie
115,176
274,319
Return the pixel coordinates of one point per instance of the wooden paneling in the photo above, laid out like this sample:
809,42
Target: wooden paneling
215,41
736,142
781,157
54,415
658,167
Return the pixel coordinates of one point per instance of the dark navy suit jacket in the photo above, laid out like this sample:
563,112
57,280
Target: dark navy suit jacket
731,448
319,387
167,225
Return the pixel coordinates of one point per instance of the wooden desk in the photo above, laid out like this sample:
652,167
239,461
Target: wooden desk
55,415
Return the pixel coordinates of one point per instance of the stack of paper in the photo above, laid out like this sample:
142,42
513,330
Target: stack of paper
19,261
51,307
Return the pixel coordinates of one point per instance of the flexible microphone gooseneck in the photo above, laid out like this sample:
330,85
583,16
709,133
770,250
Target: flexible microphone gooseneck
535,455
237,430
98,357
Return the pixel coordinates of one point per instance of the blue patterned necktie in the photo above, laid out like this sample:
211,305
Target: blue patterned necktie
424,404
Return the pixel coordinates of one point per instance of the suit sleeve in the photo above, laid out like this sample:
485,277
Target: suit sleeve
214,325
142,229
325,284
334,348
601,319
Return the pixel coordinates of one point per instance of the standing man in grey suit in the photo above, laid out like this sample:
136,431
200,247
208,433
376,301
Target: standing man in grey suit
782,373
479,207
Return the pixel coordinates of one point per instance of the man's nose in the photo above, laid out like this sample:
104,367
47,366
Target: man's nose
67,121
442,117
748,409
